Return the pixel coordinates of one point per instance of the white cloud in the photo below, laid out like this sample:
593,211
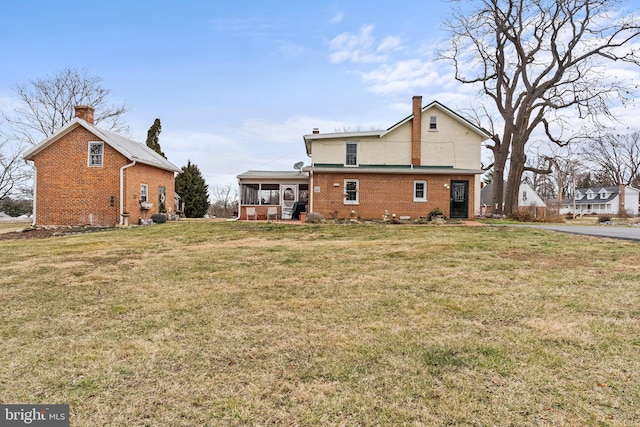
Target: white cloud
337,18
362,47
406,77
291,50
256,144
289,131
389,44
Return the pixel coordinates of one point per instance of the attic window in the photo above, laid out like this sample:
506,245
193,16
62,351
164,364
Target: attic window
433,122
96,150
351,158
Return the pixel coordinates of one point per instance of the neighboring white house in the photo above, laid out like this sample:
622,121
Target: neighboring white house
527,198
603,200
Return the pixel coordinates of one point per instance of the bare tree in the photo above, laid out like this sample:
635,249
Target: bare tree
566,170
538,176
13,173
225,200
48,104
541,62
616,158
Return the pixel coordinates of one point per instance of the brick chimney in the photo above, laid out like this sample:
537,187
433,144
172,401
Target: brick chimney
85,113
621,207
416,131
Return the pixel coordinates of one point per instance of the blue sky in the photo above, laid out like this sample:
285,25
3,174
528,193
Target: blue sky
237,84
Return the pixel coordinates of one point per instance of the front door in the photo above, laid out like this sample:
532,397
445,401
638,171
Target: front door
459,199
289,194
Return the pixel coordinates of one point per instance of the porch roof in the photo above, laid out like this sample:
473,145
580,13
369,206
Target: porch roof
274,175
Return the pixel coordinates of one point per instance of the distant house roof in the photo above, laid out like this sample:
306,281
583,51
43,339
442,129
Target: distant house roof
382,132
132,150
612,193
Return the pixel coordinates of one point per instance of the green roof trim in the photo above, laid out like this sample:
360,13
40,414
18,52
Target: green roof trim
339,165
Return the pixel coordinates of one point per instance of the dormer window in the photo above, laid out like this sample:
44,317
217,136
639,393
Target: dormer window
603,194
351,158
433,122
578,195
591,195
96,151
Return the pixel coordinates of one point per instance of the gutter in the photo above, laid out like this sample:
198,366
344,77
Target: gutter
122,189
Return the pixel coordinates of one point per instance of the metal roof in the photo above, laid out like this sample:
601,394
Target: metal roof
255,174
132,150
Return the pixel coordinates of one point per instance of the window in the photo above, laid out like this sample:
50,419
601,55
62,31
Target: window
419,191
144,193
250,194
303,193
260,194
351,154
95,154
270,194
524,195
433,122
350,191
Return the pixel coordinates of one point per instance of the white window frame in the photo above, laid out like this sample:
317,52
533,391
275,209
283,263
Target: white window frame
356,201
90,162
346,154
433,123
415,191
144,193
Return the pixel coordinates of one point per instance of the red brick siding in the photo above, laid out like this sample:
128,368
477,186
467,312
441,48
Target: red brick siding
380,192
69,192
154,178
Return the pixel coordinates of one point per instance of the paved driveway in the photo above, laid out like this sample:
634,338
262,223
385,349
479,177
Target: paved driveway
627,233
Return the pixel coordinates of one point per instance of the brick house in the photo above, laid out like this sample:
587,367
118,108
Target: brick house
431,159
85,175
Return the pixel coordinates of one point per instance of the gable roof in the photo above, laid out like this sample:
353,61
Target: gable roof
612,193
382,132
132,150
486,192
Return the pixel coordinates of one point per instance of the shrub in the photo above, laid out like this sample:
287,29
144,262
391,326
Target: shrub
521,215
435,212
314,217
159,218
604,218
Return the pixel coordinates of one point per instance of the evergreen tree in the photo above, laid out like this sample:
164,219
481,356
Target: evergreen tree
153,137
190,185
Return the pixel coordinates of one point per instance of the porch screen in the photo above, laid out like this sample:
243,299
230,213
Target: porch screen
270,194
250,194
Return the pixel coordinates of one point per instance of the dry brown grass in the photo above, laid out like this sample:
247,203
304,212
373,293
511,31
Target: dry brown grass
200,323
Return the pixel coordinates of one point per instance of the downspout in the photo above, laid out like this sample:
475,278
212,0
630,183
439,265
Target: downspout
310,193
239,203
35,191
122,189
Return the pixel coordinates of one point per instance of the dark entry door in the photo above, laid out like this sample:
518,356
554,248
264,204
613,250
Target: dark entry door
459,199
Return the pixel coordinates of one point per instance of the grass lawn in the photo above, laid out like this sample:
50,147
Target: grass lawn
206,324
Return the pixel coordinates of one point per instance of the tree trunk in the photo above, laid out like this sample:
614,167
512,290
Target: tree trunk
498,187
516,169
